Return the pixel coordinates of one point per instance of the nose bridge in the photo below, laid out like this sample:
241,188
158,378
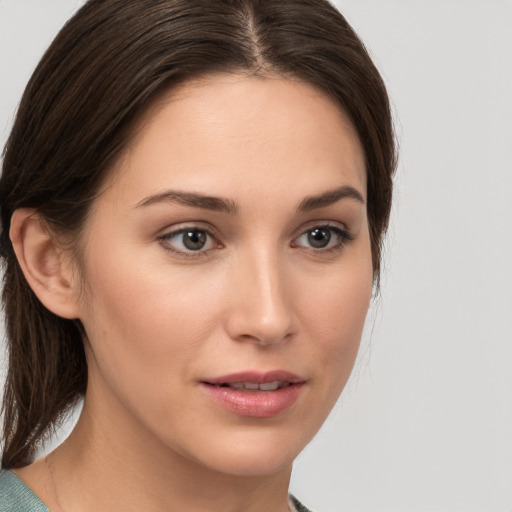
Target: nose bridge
262,306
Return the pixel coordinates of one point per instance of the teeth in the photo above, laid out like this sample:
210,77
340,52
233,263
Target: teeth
252,386
270,386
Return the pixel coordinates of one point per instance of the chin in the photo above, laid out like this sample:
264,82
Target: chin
253,452
252,464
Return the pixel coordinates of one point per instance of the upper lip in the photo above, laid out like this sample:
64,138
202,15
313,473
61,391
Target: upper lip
256,377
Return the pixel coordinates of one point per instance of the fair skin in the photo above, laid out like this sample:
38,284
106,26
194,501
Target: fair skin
268,280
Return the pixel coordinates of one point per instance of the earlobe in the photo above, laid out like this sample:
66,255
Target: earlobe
45,266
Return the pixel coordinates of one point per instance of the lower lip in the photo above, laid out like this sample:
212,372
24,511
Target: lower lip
254,404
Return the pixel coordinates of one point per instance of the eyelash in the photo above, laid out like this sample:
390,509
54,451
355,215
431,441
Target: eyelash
343,236
164,240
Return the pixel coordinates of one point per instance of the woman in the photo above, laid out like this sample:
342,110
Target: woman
193,201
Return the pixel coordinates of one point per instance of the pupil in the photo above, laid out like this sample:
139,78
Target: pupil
194,240
319,238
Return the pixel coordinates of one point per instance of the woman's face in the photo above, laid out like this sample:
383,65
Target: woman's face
228,269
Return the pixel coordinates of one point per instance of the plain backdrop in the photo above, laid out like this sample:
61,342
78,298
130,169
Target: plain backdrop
425,423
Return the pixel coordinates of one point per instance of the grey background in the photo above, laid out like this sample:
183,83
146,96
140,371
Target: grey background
425,423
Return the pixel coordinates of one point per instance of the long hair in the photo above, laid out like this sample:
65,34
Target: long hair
77,113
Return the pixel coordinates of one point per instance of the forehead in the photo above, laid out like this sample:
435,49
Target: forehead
236,132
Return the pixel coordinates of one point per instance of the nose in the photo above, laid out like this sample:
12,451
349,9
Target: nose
261,301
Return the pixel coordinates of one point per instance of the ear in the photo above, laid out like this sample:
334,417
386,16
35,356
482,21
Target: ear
47,267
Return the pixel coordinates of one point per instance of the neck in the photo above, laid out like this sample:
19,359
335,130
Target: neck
100,467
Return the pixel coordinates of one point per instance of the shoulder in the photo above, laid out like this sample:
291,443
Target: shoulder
15,496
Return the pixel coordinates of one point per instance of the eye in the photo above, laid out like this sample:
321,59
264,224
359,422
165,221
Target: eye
323,238
188,240
319,238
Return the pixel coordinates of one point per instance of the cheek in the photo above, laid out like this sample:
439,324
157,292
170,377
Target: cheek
143,317
146,332
334,313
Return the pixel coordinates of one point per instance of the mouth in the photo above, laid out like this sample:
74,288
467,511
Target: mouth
253,386
256,381
254,394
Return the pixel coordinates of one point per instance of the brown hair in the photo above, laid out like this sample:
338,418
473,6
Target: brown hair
96,79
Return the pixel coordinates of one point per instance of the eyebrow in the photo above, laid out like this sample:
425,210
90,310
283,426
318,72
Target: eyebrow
219,204
330,197
216,204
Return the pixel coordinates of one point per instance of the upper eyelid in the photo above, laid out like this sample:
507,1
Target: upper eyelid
341,232
321,223
184,226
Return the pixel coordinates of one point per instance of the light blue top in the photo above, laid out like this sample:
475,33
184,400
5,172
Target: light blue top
16,496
